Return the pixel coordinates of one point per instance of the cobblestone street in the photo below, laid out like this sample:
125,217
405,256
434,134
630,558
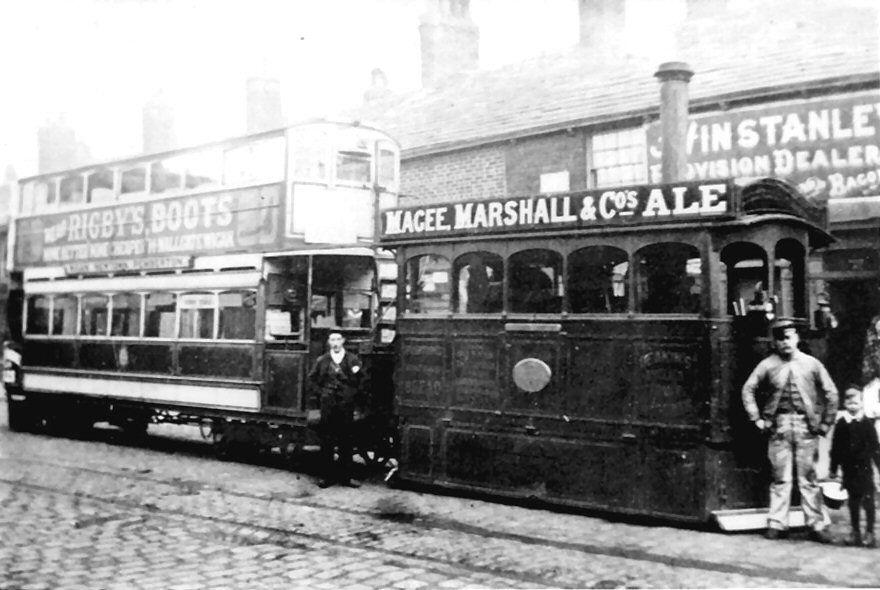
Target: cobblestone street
167,515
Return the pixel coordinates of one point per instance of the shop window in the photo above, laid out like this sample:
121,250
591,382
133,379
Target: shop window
237,315
669,278
788,279
197,315
134,181
619,158
535,284
478,278
94,315
160,310
126,315
100,186
166,175
598,280
71,190
746,272
64,313
38,307
427,284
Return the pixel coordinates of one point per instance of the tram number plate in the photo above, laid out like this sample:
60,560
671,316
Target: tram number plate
9,376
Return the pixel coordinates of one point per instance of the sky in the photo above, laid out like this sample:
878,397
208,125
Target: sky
94,63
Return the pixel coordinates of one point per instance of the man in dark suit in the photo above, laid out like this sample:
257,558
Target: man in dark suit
335,380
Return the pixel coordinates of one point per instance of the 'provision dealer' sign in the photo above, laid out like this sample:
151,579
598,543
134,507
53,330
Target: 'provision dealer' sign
829,148
162,233
619,206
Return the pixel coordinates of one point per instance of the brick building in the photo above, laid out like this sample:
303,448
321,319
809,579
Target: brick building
788,89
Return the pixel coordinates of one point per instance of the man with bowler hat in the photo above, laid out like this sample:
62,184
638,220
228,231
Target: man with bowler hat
800,408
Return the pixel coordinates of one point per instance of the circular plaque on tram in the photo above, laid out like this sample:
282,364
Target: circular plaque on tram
531,374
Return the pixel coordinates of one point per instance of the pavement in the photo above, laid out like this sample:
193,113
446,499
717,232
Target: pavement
165,514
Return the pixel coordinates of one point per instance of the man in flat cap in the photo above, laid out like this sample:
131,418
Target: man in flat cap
801,407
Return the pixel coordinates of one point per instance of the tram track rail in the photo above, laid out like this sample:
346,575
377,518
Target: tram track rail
367,539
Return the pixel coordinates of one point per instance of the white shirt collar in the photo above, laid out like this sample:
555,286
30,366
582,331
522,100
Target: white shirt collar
849,417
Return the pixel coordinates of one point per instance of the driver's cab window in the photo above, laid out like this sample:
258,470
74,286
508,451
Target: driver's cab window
342,288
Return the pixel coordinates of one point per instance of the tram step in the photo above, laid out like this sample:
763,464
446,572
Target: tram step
752,519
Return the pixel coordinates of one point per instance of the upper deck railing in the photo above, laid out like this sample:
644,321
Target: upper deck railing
310,184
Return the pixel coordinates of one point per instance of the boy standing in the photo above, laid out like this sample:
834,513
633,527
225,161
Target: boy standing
853,447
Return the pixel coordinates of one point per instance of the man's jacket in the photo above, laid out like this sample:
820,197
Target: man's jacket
813,382
336,386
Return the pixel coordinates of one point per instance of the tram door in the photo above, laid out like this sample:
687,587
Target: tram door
286,354
854,303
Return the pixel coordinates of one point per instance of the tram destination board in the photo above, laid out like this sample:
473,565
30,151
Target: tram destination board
620,206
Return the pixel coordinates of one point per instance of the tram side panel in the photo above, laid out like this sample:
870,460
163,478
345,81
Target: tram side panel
619,424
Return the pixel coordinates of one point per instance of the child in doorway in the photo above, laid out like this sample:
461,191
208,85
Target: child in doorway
853,447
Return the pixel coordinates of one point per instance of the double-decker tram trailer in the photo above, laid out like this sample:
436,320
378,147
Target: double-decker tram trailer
588,348
199,285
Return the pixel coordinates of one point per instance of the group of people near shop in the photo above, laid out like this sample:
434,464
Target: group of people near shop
802,407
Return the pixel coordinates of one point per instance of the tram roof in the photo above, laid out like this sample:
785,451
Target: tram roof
735,62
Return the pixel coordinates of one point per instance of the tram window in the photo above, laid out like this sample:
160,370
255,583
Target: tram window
71,190
45,195
477,277
285,292
669,278
166,175
64,315
254,162
203,169
159,309
100,186
353,166
598,280
196,315
746,266
788,279
28,202
38,314
427,284
126,315
94,315
134,181
237,315
342,289
387,168
534,282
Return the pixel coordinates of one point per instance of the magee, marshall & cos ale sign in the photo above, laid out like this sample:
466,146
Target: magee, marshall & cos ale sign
620,206
162,233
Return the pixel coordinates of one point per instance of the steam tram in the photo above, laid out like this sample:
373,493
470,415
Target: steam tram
198,286
588,349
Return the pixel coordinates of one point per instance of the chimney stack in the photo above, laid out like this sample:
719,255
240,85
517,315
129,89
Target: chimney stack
450,41
378,86
263,104
602,25
58,148
674,77
158,125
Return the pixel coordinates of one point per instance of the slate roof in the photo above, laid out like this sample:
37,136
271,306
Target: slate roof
737,57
